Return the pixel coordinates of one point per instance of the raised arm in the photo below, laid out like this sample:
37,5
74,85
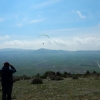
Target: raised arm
12,68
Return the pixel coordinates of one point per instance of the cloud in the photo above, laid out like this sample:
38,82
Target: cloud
18,44
20,24
60,42
4,37
1,19
74,43
64,39
98,24
87,40
36,21
74,32
26,21
45,4
80,15
77,43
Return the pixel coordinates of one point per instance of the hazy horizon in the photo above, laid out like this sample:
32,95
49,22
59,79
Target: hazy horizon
44,49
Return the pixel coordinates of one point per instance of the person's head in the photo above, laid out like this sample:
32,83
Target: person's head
6,64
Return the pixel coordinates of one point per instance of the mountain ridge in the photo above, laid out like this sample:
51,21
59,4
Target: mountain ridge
41,60
43,49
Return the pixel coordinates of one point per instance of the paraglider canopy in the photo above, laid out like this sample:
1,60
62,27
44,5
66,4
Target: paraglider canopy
44,35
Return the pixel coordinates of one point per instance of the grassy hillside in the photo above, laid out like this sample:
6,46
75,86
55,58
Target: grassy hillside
67,89
31,62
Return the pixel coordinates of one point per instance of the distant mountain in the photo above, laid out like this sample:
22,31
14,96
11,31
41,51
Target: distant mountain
42,50
38,61
38,51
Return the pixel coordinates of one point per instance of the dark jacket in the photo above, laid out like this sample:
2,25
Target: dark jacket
7,74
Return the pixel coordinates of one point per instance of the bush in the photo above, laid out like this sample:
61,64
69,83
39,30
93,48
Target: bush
49,74
65,74
17,78
37,80
87,72
26,77
58,73
56,78
43,77
74,77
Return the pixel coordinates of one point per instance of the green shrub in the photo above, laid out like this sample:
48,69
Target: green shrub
58,73
37,80
56,78
49,73
74,77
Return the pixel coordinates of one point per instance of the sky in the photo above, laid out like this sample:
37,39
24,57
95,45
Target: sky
71,24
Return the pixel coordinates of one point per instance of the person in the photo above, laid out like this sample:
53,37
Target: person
7,80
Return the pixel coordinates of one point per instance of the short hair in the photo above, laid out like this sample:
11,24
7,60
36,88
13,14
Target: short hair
6,64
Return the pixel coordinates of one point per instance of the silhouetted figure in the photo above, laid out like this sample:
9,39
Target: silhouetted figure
7,80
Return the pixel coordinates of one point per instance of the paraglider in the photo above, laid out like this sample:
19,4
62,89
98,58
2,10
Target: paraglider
44,35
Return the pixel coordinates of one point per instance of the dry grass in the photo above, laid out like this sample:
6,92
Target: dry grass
67,89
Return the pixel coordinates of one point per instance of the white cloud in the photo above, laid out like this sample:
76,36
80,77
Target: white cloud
4,37
1,19
87,40
74,32
17,44
45,4
35,21
74,43
65,39
80,15
26,21
20,24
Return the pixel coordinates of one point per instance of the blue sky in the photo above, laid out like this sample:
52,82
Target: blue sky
70,24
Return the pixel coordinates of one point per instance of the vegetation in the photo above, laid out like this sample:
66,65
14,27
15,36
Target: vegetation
70,88
62,75
37,80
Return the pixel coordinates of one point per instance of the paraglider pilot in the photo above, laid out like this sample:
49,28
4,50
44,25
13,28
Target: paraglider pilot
7,80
